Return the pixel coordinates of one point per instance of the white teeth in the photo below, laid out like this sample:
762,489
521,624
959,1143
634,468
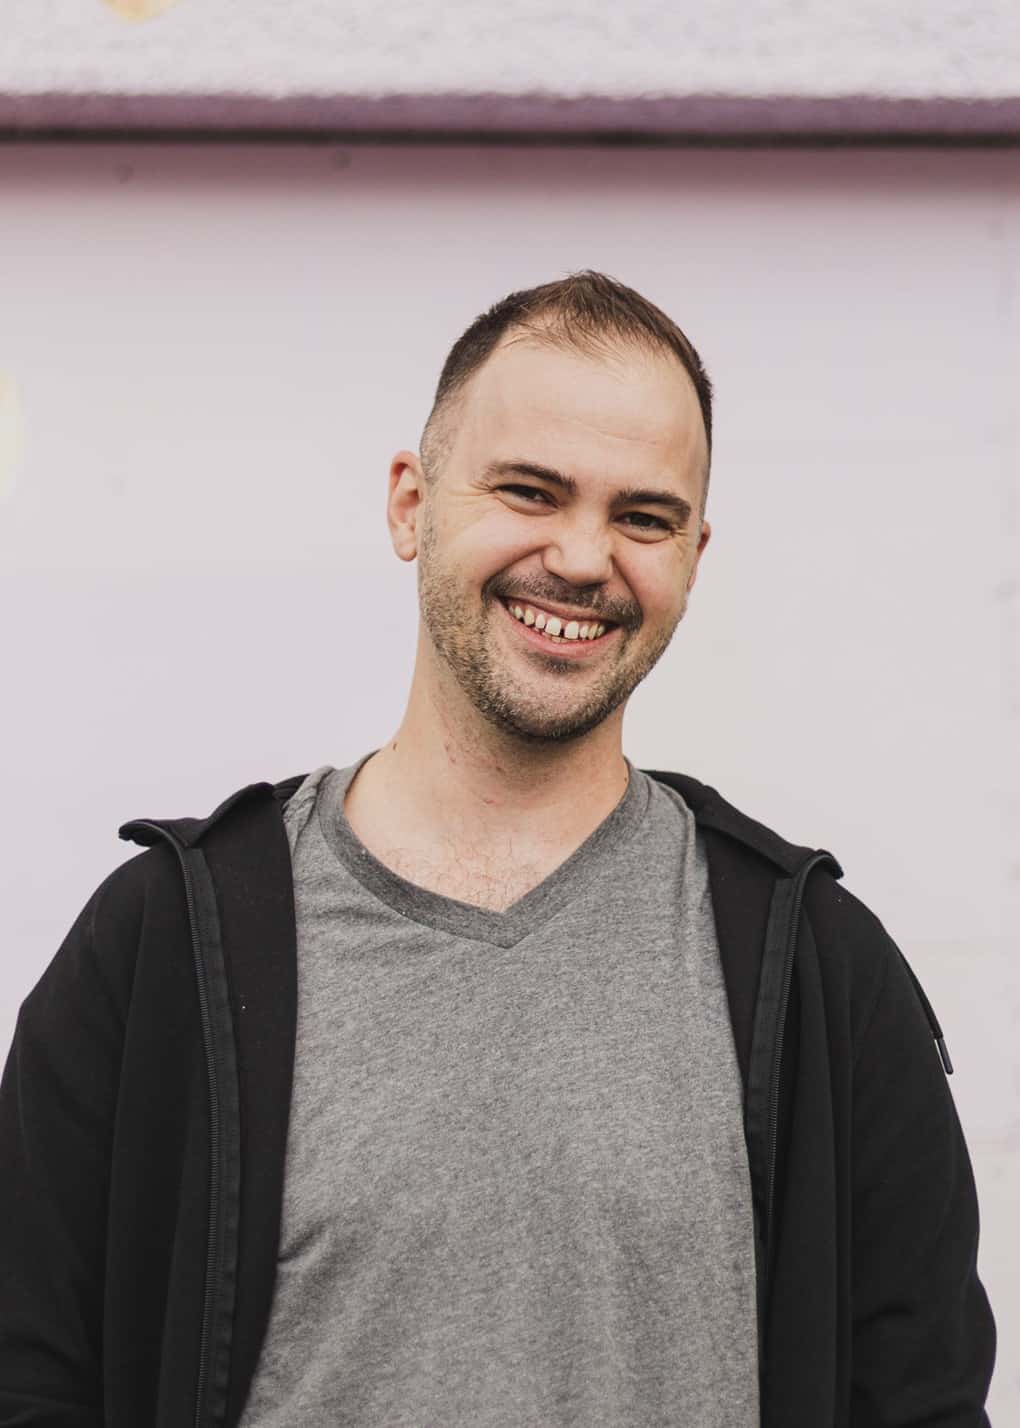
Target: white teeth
555,627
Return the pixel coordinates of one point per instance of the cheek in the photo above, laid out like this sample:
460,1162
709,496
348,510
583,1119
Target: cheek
659,585
492,545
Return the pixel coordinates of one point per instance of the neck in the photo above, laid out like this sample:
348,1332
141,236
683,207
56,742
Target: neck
450,772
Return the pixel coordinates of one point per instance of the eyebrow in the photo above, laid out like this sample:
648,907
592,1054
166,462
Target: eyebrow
632,496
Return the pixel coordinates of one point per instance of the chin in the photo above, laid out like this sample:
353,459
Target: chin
533,727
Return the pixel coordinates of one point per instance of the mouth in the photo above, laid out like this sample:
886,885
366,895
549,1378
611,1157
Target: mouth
572,638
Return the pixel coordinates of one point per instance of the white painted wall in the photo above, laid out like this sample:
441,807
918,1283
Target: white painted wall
216,350
953,48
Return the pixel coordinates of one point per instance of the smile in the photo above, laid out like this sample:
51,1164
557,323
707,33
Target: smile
572,638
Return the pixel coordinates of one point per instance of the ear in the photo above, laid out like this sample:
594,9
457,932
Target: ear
407,489
706,534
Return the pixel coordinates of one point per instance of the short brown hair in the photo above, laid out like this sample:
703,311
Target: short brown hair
585,311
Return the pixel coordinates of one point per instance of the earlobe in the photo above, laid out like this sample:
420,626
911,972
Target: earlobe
407,486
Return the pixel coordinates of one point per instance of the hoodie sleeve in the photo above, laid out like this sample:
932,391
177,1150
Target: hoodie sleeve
57,1103
923,1333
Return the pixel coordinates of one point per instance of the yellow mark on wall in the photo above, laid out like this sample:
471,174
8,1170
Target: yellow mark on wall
139,9
10,434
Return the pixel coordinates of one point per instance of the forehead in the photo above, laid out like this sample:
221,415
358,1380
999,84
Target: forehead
626,410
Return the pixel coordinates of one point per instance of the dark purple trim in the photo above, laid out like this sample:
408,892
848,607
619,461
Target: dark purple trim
689,116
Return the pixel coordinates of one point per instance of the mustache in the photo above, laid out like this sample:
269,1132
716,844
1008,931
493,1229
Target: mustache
560,593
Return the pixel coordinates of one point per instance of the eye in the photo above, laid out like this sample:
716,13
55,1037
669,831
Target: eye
526,492
642,522
657,523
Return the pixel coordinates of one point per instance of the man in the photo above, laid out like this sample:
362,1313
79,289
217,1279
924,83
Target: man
489,1079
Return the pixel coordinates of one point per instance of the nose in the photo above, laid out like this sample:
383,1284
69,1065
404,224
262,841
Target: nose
580,553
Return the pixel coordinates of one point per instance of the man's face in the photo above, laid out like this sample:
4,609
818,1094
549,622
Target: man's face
613,546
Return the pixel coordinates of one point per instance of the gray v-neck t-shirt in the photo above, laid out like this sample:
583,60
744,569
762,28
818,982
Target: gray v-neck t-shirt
516,1189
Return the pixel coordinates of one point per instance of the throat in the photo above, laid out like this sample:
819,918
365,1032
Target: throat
478,839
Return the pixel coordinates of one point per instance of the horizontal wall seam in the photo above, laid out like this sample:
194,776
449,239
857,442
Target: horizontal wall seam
480,115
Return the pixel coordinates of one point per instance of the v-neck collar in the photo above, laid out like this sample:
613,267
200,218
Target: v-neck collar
504,928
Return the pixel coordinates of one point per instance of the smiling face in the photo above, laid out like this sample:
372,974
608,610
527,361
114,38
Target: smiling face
571,492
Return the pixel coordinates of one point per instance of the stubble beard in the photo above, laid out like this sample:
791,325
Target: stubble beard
462,640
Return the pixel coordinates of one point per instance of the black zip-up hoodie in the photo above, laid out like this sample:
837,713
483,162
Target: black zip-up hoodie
143,1124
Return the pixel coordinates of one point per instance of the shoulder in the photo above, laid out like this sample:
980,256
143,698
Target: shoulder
714,813
848,934
98,953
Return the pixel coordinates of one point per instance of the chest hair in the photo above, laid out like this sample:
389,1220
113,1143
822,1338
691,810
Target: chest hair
494,883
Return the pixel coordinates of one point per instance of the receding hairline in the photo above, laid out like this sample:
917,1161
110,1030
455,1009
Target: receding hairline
546,332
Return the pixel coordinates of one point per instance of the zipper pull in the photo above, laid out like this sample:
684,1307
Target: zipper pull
933,1021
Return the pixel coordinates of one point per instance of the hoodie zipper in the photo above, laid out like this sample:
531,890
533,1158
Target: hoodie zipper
211,1275
789,953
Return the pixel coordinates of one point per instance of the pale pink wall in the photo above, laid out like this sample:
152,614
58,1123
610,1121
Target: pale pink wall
217,349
